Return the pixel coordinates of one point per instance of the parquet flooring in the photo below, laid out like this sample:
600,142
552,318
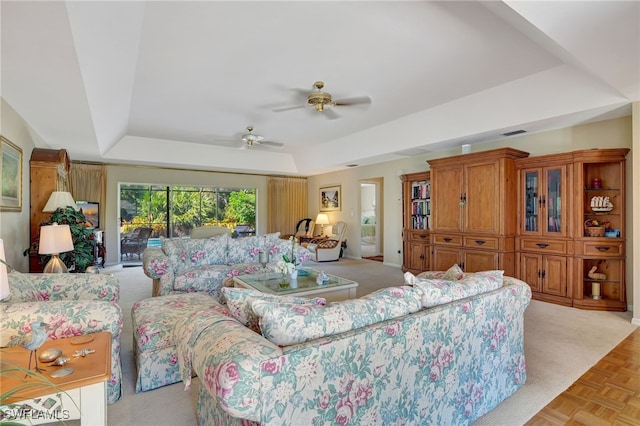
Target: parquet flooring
607,394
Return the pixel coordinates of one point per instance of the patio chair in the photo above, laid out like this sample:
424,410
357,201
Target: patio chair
135,243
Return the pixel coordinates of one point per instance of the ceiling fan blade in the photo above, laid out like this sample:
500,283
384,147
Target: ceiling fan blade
270,144
287,108
361,100
330,114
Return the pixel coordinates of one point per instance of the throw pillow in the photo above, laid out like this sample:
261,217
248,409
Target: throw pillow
454,273
440,291
239,300
176,252
286,324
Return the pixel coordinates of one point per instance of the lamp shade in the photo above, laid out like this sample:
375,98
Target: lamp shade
322,219
55,239
59,199
4,277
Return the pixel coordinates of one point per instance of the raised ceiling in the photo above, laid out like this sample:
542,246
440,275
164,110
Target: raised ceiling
170,83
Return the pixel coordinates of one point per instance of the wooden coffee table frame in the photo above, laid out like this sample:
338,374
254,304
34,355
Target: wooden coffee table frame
83,392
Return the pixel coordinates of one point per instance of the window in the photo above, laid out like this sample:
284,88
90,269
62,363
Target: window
173,211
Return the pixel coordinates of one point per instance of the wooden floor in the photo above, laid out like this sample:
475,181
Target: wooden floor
607,394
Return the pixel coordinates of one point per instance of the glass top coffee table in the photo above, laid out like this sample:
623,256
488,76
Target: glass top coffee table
305,286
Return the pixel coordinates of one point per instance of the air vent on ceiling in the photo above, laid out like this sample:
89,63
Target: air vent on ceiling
515,132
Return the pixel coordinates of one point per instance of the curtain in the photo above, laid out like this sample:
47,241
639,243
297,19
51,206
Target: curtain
89,183
286,203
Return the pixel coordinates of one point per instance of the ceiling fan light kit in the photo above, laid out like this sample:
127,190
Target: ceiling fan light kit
319,100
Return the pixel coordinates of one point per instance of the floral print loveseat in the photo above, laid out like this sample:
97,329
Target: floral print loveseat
205,265
72,305
383,359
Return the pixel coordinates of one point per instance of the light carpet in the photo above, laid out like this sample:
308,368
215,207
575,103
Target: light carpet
560,344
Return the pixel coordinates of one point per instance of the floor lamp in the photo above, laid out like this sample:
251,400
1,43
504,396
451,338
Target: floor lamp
55,239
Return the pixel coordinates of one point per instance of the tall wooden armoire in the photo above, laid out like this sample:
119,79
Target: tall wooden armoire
49,171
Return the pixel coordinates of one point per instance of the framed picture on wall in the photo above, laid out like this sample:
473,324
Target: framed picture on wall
331,199
11,170
91,211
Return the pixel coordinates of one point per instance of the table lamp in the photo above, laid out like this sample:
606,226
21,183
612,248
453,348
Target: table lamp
322,220
60,199
55,239
4,277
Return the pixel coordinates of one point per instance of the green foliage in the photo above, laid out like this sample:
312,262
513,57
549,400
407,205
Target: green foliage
81,256
242,207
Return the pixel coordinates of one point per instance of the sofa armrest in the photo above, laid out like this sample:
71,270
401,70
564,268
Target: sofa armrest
155,263
228,357
54,287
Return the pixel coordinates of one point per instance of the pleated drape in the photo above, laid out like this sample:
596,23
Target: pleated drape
89,183
286,203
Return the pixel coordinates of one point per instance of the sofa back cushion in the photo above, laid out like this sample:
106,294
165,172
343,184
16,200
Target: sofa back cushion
239,300
286,323
185,254
440,291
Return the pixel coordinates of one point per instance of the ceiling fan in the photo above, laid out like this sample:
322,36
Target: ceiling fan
250,140
320,100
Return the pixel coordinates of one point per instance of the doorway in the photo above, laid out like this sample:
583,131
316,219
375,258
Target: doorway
371,235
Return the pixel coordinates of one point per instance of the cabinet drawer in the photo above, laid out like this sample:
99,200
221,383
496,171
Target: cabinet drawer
541,245
481,242
596,248
452,240
419,236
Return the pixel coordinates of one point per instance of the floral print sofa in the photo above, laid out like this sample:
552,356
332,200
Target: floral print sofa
385,358
205,265
72,305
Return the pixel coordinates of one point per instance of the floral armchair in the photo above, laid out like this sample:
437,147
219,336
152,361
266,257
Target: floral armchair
72,305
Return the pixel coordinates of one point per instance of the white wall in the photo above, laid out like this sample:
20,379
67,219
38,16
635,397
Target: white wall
14,226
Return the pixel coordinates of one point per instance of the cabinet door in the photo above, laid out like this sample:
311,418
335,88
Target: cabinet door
418,257
531,270
544,201
445,257
481,198
554,279
531,202
476,260
447,197
555,201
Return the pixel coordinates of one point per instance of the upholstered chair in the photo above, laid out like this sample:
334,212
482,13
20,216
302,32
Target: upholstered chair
329,249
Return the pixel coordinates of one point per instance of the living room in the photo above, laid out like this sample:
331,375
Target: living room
123,165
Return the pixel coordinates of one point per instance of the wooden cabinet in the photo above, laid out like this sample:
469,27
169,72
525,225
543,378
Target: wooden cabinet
544,230
555,253
474,205
416,217
48,170
600,260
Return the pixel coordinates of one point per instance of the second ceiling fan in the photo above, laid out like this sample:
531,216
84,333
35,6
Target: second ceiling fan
320,100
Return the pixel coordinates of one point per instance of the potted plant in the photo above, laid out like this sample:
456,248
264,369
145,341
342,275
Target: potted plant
82,255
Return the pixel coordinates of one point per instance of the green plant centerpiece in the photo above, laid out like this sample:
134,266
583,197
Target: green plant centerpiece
84,243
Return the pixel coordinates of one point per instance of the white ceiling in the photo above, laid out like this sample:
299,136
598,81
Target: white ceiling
172,82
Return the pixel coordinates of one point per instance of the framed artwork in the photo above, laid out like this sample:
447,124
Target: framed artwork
331,199
91,211
11,171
